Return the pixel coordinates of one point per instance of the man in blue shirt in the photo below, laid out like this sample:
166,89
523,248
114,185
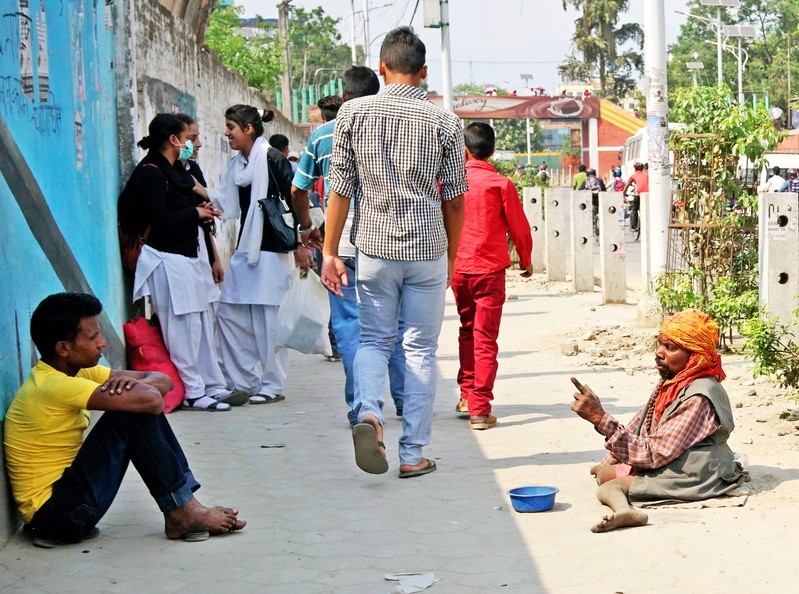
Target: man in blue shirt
359,81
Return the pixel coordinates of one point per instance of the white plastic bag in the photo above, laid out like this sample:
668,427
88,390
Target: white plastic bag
303,316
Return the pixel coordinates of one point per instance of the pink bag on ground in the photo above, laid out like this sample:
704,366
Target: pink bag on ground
147,352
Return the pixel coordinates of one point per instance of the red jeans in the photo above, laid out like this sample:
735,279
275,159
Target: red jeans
479,298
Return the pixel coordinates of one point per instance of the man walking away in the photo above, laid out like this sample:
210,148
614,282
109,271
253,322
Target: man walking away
402,157
492,210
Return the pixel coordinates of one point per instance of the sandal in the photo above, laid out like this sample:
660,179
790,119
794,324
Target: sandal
368,456
205,403
266,398
429,467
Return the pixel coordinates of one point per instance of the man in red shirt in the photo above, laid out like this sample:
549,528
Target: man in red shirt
641,180
492,209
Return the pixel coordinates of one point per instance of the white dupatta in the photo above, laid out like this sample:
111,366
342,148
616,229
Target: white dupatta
241,172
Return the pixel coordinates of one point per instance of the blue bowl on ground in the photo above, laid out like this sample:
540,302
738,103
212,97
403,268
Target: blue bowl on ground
533,499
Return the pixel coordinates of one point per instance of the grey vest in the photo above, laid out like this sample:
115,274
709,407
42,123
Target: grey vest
703,471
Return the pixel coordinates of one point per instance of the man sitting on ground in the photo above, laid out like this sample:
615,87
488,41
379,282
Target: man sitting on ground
64,485
675,447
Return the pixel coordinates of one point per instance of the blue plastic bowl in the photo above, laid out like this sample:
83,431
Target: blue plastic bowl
532,499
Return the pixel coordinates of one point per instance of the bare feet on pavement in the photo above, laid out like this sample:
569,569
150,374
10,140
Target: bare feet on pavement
195,517
622,519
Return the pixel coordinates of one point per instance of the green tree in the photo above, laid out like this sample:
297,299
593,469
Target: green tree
768,62
256,59
599,41
510,134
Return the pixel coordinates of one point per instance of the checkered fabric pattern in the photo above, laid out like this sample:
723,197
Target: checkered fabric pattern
648,447
392,152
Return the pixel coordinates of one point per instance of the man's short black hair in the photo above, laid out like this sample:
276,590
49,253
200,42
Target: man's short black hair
639,166
775,170
360,81
479,139
279,141
581,168
402,51
58,318
329,107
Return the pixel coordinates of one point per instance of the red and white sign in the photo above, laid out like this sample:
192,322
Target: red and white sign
550,108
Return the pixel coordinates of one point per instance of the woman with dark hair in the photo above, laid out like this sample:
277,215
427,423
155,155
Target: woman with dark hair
194,185
169,270
258,275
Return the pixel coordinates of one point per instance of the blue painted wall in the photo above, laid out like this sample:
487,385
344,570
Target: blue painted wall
61,112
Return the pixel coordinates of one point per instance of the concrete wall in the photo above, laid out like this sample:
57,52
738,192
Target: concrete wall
58,188
174,73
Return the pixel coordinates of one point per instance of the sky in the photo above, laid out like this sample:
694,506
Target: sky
492,41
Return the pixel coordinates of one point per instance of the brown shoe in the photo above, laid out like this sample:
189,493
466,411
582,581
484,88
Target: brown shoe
482,422
462,407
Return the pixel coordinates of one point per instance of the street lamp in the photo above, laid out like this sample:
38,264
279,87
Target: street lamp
740,32
719,4
527,78
694,67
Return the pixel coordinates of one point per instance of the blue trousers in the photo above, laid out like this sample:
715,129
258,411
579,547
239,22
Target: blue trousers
87,488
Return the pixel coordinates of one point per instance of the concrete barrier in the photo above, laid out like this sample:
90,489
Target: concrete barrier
582,234
613,272
533,200
779,254
555,223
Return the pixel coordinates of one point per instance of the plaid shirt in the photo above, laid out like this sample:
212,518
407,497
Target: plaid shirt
644,447
392,152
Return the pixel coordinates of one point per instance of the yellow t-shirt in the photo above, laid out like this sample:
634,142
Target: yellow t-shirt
44,430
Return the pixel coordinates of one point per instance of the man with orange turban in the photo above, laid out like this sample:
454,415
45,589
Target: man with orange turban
675,447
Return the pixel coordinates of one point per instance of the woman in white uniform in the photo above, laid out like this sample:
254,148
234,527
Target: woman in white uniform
258,276
169,270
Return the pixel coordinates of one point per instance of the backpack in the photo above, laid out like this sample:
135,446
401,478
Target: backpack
132,227
618,185
592,183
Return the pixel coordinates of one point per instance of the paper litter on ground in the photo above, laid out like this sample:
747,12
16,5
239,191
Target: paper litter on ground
412,582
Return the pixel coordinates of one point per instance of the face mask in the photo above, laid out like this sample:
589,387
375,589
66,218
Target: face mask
186,151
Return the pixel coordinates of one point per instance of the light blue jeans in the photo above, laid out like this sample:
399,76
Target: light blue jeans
390,290
344,321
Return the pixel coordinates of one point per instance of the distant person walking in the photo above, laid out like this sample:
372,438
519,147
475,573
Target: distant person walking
402,158
492,210
639,181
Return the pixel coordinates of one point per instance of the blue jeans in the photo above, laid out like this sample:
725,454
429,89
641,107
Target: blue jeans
344,319
413,291
87,488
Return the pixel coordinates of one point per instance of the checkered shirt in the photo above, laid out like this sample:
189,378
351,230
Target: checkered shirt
392,152
648,447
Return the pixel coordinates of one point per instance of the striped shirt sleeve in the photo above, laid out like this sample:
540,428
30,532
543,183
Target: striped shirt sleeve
343,174
453,171
689,424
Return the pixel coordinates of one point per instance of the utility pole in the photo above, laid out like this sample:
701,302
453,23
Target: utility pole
283,28
352,34
653,250
367,41
446,64
718,46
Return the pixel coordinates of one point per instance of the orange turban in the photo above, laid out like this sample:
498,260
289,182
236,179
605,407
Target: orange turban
696,332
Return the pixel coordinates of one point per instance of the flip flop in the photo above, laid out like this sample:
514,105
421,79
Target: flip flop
426,469
265,398
235,398
367,449
52,543
195,536
204,403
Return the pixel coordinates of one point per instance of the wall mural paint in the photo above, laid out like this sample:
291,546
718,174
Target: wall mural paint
56,63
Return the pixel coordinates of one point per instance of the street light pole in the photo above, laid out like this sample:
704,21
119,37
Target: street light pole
446,64
527,78
718,45
366,39
352,34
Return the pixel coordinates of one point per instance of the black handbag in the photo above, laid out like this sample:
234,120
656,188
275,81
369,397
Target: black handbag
280,227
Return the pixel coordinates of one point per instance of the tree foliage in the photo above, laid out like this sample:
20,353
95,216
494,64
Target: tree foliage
256,59
602,48
768,60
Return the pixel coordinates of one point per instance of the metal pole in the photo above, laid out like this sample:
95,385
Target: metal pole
283,27
693,75
366,39
740,76
446,65
352,34
790,110
657,129
718,44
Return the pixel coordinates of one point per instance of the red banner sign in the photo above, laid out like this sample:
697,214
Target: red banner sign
474,107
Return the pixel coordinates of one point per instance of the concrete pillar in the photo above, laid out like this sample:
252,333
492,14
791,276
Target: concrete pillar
613,272
593,143
557,247
645,221
533,199
582,233
779,254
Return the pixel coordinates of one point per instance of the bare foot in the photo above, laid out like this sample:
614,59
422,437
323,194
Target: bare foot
195,517
623,519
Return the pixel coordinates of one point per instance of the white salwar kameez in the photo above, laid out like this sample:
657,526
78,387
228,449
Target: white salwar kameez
178,292
254,287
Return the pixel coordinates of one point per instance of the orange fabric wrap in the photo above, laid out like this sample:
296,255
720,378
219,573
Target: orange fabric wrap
696,332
